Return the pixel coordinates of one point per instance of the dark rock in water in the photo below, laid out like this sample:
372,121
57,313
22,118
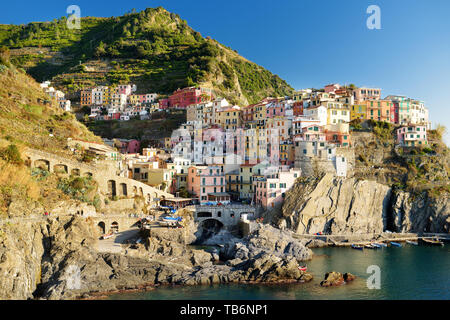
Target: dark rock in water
332,279
349,277
336,279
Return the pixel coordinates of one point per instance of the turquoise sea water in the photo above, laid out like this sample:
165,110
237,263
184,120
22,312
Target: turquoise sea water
411,272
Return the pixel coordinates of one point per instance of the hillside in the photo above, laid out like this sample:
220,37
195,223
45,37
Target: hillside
29,119
154,48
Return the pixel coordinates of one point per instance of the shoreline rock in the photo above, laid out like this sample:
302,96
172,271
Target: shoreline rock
333,279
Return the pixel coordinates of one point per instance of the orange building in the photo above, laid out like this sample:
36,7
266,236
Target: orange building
86,97
340,139
379,110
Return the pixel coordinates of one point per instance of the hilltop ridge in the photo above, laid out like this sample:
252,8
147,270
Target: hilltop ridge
154,48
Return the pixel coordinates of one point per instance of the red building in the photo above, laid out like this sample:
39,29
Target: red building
341,139
297,108
182,98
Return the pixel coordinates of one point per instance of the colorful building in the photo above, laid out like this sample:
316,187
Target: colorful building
181,98
412,135
363,94
379,110
270,190
358,111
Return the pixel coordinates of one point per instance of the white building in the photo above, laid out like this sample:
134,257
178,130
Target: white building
317,113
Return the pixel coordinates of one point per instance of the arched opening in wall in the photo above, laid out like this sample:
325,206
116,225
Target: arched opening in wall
42,164
60,168
101,227
115,226
112,188
219,214
209,227
28,162
141,192
87,174
75,172
231,214
134,191
123,189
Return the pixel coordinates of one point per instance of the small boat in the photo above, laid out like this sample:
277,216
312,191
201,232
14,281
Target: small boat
380,244
396,244
431,242
107,236
357,247
376,245
302,268
412,242
369,246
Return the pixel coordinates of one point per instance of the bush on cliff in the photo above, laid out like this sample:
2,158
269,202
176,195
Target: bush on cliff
79,188
11,154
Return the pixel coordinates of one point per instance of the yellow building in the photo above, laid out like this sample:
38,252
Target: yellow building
259,113
337,113
358,111
230,118
255,143
134,99
161,178
107,94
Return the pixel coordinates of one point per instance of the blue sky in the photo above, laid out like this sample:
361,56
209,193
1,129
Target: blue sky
310,43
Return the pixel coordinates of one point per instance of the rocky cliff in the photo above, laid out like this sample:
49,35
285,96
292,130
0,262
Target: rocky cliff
353,206
58,258
420,213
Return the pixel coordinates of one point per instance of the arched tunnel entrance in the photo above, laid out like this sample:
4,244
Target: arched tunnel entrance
101,227
208,228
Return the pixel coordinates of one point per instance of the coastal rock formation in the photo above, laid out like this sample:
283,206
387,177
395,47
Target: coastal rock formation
336,205
347,206
421,213
336,279
267,239
21,249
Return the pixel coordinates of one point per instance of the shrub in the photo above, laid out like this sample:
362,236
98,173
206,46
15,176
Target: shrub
11,154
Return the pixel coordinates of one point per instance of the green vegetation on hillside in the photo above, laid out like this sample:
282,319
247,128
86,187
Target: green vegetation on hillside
414,169
29,119
154,48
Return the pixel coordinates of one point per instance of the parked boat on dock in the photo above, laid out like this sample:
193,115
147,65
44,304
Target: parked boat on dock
370,246
396,244
414,243
302,268
357,247
381,244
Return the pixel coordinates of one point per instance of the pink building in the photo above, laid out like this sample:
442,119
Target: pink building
208,184
332,87
364,94
163,103
133,146
124,89
275,109
313,132
412,136
270,190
